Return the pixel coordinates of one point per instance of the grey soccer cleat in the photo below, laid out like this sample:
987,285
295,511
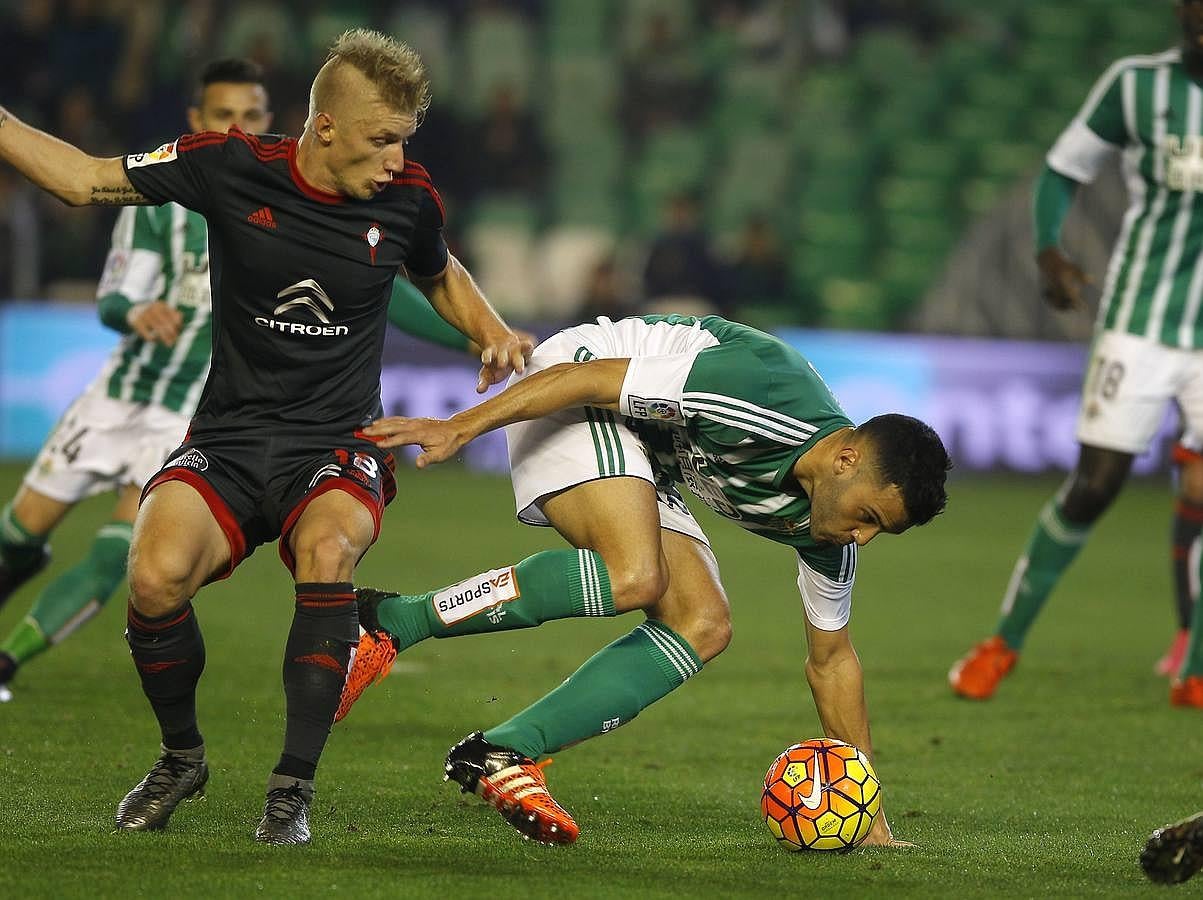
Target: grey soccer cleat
286,812
175,776
1174,853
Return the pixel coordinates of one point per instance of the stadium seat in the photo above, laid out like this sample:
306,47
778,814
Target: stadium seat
574,28
636,13
500,241
672,160
567,256
750,95
427,30
483,67
853,303
750,177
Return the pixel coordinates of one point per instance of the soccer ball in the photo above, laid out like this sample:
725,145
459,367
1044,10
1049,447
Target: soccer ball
821,794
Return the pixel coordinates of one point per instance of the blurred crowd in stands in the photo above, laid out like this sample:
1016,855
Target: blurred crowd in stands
114,76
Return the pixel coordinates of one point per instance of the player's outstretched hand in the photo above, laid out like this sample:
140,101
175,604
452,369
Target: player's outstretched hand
155,321
1061,281
880,835
440,439
506,354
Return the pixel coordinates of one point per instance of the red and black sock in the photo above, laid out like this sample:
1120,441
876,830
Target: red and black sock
169,654
325,629
1188,523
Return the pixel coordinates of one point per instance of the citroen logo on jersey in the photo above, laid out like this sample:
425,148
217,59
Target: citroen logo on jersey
304,295
374,235
307,294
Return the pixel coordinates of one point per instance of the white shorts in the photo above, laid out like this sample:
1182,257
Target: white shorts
574,446
102,444
1129,383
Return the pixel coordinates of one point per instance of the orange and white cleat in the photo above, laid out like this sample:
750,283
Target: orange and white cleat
375,654
976,674
512,784
1187,691
1171,660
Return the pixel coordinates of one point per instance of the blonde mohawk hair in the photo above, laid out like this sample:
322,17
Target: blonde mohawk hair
393,67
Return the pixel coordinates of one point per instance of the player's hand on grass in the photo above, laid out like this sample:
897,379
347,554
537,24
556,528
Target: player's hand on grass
155,321
880,835
1061,281
505,354
440,439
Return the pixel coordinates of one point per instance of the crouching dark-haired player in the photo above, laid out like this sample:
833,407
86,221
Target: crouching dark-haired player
607,420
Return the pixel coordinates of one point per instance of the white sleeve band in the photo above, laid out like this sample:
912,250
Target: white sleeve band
135,274
828,603
653,386
1079,153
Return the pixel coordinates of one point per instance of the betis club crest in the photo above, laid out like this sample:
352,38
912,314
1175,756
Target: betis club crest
374,235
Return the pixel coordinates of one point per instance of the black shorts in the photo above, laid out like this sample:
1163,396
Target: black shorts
257,486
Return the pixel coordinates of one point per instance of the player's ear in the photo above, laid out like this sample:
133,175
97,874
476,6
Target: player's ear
847,461
323,127
194,119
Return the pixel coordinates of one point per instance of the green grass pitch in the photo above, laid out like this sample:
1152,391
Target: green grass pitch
1049,790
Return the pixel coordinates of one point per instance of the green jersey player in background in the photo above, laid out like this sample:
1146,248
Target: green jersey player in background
1147,348
607,420
116,435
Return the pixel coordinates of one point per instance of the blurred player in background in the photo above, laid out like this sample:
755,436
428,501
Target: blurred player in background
609,418
1146,351
116,435
1185,528
305,238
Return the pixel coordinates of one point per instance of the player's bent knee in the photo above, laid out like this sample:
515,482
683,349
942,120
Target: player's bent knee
637,587
708,635
158,583
325,556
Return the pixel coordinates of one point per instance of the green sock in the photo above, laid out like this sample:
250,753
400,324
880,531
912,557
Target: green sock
19,547
607,691
75,596
554,584
1051,548
1192,663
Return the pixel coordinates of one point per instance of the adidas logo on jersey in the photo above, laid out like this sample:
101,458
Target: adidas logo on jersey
263,217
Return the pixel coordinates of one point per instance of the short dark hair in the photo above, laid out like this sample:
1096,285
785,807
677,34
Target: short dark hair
230,70
911,456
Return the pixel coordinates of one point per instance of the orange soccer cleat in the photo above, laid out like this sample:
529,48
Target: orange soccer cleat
976,674
375,654
373,660
1187,691
1171,661
512,784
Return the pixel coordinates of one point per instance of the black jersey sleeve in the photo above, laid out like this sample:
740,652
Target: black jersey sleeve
181,171
427,251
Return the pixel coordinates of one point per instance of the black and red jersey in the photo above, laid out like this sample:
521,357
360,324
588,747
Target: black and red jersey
301,277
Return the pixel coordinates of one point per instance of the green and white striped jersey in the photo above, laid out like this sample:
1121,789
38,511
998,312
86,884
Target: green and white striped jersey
727,411
1150,109
160,253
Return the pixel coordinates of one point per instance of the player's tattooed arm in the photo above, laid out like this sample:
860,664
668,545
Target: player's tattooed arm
62,169
117,195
